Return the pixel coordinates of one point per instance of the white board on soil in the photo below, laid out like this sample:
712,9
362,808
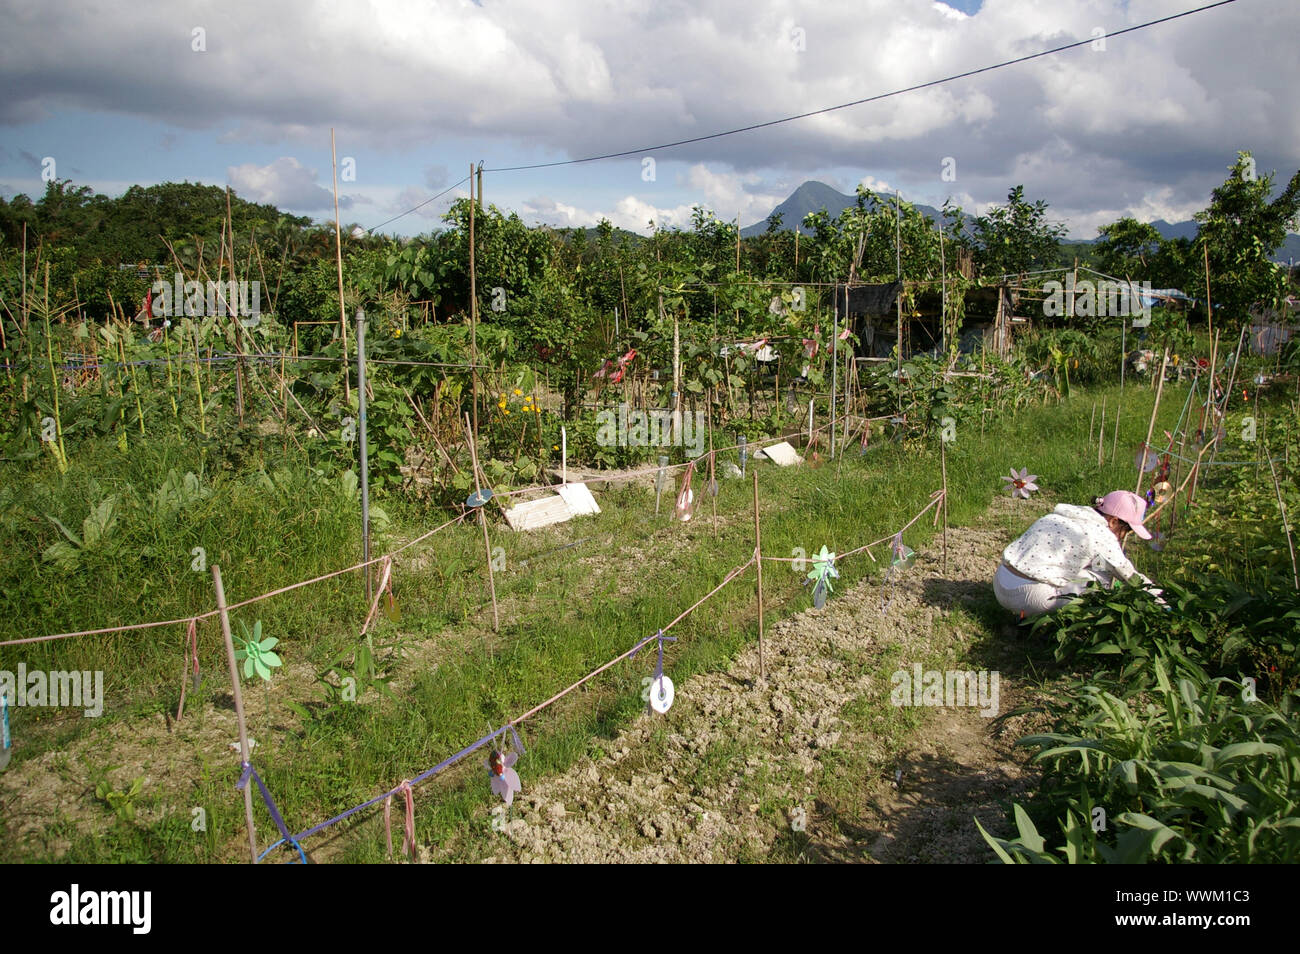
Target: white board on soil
538,513
781,454
579,499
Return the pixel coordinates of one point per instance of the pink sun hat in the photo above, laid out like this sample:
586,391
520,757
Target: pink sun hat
1127,506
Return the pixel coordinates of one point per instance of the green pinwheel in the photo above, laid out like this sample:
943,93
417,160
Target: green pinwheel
820,576
256,652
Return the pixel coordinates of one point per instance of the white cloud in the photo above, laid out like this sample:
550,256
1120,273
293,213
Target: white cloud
1162,109
285,183
948,11
630,213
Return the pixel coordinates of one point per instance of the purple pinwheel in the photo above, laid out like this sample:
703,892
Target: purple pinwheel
1021,482
505,780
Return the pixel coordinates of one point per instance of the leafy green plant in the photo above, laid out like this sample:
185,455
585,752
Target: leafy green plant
122,802
96,529
1196,769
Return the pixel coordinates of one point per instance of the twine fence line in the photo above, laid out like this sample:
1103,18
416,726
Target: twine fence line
404,787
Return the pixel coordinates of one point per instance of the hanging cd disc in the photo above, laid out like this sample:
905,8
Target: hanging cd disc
661,694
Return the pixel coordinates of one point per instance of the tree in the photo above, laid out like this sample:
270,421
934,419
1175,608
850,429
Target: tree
1016,237
1127,248
1241,229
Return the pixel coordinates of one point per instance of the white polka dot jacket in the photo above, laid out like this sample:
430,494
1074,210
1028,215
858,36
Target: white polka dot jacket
1071,544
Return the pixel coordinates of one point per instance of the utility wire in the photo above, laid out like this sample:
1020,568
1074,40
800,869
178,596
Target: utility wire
420,206
857,102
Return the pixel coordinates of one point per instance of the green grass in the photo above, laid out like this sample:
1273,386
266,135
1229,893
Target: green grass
563,614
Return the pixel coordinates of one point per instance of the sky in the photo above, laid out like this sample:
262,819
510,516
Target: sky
111,93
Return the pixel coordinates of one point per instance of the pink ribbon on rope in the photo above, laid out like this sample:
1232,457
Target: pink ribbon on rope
385,586
408,836
192,652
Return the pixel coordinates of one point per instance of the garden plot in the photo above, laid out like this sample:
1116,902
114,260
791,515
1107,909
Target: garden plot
738,769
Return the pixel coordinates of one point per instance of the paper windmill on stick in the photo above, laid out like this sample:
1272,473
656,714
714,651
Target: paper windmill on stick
1146,459
505,780
256,651
1021,482
820,576
901,555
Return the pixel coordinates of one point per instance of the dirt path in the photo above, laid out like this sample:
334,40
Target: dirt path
815,764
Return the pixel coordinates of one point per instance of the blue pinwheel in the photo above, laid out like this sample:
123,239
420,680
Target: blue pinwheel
820,576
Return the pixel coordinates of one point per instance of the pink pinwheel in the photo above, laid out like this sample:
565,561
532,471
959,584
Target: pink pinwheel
1021,482
505,780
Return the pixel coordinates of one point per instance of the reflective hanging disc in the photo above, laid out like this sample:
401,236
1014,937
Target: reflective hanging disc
661,694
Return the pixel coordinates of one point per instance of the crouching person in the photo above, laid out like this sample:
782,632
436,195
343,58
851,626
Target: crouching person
1067,551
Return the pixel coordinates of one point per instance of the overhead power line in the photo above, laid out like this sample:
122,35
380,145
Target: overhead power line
857,102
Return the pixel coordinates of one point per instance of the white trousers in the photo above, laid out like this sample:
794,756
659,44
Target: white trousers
1030,597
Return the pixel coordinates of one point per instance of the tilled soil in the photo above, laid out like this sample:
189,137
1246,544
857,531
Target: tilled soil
801,766
736,769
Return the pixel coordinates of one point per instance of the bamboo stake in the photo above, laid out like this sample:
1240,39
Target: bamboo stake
1286,527
239,706
1152,425
1101,448
1103,427
473,310
1114,441
1209,305
198,381
482,516
943,469
61,458
758,565
713,476
338,255
1232,381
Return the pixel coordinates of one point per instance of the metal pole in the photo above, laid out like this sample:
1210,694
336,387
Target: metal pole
365,448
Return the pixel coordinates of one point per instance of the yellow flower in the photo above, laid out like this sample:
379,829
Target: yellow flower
397,333
555,447
507,410
518,393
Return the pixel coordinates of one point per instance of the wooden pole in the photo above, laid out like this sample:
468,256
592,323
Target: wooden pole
943,301
232,311
338,254
758,565
1103,430
1101,445
365,452
473,329
1232,381
1286,527
943,470
239,706
1208,424
898,276
713,471
1209,306
482,516
1092,421
1114,442
1152,425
